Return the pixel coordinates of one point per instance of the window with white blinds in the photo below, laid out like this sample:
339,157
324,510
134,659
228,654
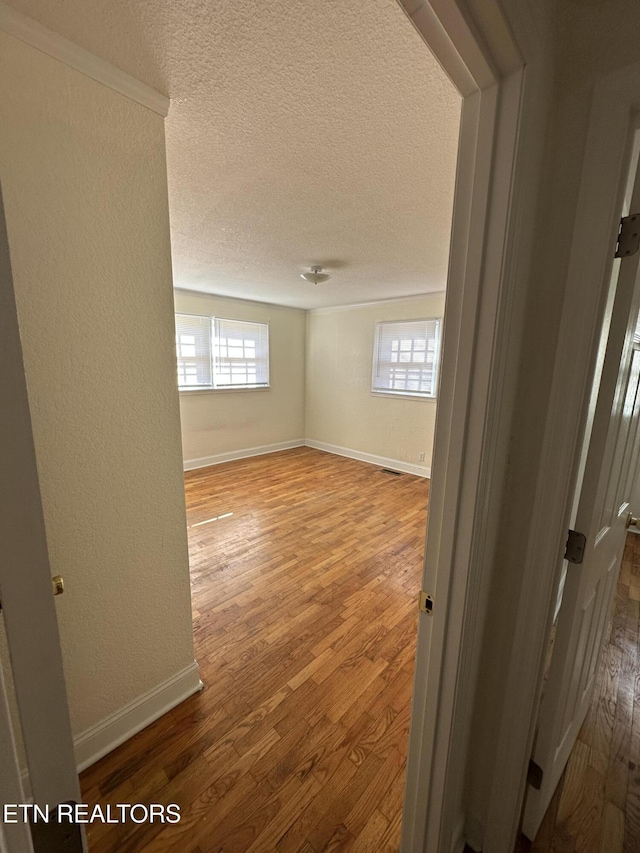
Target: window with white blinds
240,354
218,353
406,356
193,345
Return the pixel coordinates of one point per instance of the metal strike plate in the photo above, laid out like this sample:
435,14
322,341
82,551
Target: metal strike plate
426,603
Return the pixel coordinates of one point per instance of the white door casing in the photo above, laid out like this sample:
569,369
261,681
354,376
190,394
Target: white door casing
488,70
601,508
483,273
28,608
614,105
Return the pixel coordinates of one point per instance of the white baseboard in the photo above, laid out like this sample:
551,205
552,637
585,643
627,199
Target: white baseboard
218,458
382,461
115,729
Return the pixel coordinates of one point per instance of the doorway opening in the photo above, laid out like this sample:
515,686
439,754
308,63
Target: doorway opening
308,417
490,116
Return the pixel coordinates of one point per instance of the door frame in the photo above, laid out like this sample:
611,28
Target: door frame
616,98
485,55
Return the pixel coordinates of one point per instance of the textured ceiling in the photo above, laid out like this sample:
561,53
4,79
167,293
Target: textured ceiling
300,132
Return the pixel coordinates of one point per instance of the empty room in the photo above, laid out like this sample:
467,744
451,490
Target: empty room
309,302
311,163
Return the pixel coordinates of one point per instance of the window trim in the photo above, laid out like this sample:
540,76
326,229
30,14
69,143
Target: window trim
407,395
207,389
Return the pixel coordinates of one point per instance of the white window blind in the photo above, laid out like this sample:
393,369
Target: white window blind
240,354
193,345
217,353
406,356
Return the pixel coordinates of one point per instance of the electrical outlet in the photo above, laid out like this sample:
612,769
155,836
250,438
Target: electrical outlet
420,457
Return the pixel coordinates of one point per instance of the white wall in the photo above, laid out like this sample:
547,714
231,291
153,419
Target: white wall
316,394
222,422
340,409
84,183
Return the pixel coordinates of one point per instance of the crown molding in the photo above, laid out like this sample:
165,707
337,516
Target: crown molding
190,292
327,309
330,309
25,29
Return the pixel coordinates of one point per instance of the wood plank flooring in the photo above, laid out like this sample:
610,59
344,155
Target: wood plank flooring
596,808
305,573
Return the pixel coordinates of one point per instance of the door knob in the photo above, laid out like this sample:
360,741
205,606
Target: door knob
633,522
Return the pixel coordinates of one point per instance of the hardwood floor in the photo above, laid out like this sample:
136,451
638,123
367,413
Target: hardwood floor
305,574
596,808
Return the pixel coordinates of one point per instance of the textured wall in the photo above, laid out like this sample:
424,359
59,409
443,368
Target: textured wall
84,181
222,421
340,408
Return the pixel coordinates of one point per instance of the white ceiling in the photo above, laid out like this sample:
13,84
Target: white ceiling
300,132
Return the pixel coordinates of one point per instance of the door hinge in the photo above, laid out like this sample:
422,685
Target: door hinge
576,543
534,775
426,603
628,236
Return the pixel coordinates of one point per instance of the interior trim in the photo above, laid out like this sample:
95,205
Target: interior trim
109,733
32,33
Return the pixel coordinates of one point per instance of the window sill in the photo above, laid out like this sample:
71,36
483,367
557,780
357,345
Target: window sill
189,391
402,395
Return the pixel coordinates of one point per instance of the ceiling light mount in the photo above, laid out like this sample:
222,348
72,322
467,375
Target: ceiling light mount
315,275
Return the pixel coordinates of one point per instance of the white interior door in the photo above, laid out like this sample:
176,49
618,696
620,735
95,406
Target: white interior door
28,608
601,508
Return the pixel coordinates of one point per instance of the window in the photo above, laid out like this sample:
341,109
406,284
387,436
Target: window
193,343
217,353
405,359
240,354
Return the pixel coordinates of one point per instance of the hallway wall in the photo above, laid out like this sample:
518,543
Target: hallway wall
84,183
